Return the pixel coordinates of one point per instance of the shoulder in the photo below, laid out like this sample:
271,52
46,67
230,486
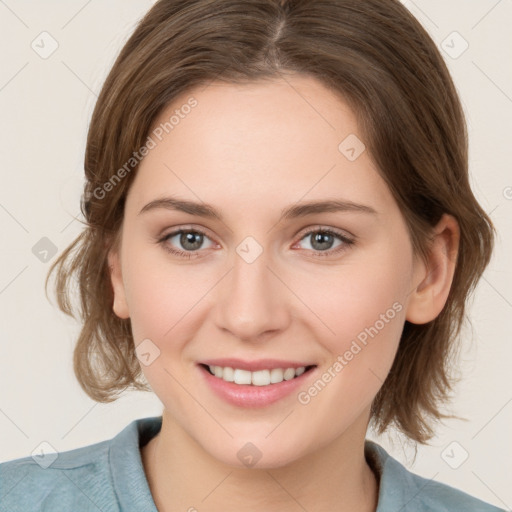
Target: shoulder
400,489
72,480
104,476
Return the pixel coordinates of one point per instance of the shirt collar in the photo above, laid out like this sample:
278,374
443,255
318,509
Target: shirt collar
130,482
397,487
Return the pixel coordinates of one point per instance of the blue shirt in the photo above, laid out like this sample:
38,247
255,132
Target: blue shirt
109,477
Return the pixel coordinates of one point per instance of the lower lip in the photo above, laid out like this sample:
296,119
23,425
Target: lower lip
246,395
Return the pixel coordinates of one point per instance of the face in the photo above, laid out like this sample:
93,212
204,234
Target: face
265,283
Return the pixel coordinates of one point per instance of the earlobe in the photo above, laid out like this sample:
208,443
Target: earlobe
435,276
120,306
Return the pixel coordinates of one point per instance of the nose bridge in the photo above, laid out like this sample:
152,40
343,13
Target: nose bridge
251,302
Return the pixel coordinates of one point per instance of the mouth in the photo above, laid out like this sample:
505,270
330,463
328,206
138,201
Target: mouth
255,384
261,377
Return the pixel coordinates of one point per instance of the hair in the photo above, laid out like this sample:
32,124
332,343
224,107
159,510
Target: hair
383,63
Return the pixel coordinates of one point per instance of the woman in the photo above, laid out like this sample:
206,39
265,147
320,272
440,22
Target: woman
280,242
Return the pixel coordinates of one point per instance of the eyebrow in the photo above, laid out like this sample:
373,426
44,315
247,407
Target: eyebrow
290,212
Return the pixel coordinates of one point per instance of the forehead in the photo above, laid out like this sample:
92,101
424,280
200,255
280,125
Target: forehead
261,143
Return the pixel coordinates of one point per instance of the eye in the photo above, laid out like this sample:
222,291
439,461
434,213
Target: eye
323,239
191,240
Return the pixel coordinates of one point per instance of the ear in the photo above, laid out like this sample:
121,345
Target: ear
120,306
435,276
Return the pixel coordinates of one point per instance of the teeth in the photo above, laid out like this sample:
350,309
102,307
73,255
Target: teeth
289,373
258,378
276,375
240,376
300,371
228,374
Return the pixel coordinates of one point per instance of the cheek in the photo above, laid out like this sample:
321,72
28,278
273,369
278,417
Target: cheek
161,295
164,300
365,308
362,308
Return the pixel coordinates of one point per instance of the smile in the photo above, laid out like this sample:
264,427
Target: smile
258,383
263,377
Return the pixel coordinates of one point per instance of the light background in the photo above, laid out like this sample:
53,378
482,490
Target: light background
45,107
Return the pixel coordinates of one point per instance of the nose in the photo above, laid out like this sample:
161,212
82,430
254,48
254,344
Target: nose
252,302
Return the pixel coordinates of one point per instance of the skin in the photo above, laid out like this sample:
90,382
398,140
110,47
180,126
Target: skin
251,150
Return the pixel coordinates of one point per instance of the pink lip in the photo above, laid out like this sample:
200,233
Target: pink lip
254,366
249,396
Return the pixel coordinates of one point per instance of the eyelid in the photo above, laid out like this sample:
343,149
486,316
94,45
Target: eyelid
346,242
186,227
301,234
329,229
345,237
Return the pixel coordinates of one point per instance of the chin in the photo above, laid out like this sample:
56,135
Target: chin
256,452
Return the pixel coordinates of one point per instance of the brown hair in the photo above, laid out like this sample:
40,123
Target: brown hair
379,58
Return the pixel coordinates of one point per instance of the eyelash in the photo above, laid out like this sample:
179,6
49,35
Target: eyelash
347,242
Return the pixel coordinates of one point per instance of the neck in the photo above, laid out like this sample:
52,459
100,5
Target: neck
183,476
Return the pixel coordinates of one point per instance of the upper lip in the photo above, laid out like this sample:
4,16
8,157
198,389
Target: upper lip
253,366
